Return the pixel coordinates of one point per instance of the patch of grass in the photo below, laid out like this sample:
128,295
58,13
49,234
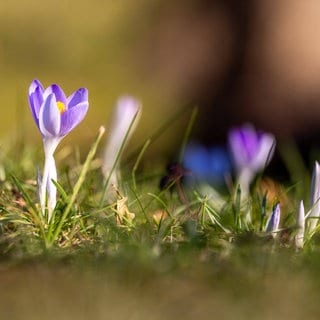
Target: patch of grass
145,252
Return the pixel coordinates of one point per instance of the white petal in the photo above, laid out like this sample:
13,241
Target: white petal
315,198
126,112
274,220
265,152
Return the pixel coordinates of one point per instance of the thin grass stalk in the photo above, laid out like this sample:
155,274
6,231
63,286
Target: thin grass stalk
141,206
158,133
77,186
237,209
37,216
135,167
188,132
106,184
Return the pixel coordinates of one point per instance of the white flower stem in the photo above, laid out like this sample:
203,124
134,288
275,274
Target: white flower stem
48,191
245,178
300,224
51,188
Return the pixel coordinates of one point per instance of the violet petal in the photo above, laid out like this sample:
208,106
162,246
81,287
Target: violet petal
72,117
274,220
238,152
264,152
58,93
49,117
79,96
35,84
35,101
250,141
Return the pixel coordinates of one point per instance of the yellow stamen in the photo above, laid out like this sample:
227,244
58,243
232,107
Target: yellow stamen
61,106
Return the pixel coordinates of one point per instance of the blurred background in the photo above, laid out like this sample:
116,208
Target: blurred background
238,61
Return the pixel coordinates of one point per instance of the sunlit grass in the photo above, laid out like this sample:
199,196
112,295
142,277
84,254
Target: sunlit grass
137,210
194,242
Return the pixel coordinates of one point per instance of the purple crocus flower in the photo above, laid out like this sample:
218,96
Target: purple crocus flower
251,151
55,115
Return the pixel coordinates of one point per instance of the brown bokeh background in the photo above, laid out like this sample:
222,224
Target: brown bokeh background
238,61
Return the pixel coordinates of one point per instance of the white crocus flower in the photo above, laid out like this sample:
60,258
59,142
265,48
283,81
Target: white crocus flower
314,213
274,220
124,121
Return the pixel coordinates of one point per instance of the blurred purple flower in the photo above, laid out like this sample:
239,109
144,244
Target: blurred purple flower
251,151
207,164
55,115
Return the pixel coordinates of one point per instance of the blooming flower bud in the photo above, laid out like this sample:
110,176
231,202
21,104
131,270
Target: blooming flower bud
251,151
314,213
55,115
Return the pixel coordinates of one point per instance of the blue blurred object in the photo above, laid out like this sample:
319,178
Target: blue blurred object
210,165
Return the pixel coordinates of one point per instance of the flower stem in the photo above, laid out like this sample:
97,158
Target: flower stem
47,190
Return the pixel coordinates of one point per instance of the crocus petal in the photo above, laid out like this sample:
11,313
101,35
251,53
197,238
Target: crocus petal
72,117
264,152
34,85
79,96
49,117
237,149
35,99
58,93
249,140
127,114
315,184
274,220
315,198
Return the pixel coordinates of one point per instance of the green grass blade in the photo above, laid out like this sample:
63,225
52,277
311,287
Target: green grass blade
77,186
187,132
135,167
